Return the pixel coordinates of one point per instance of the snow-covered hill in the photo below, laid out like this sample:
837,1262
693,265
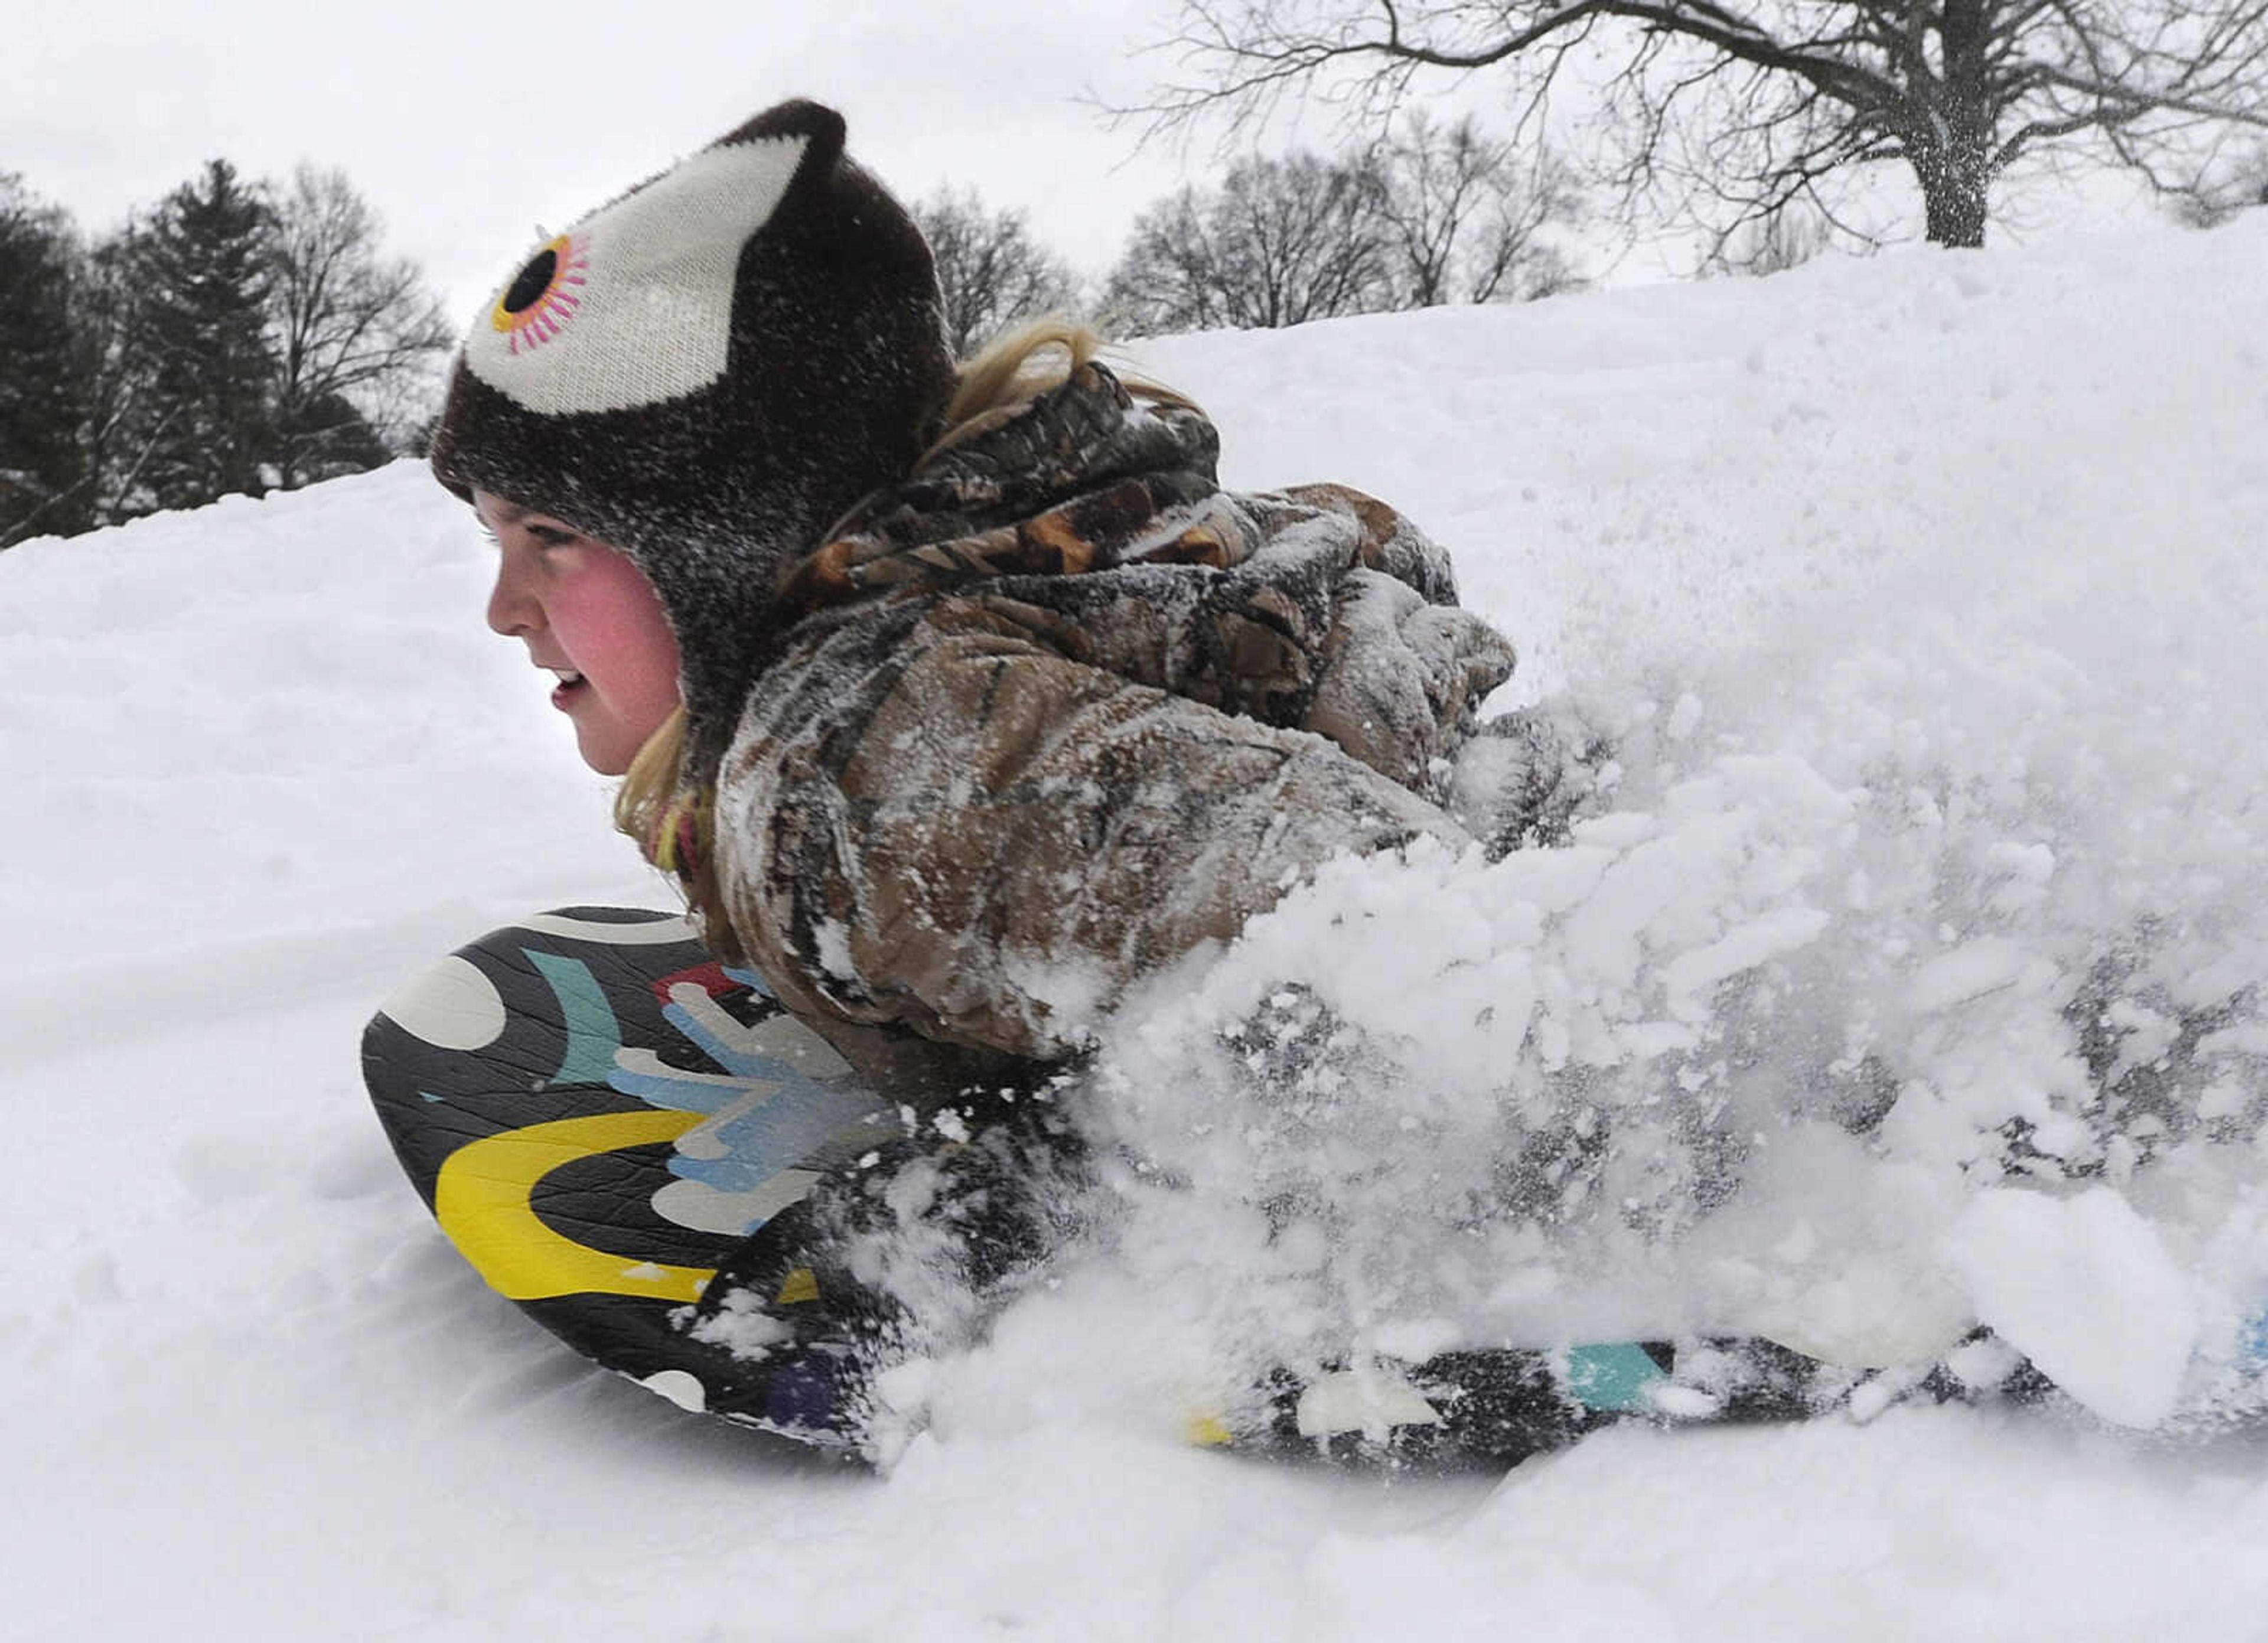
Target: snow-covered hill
1920,601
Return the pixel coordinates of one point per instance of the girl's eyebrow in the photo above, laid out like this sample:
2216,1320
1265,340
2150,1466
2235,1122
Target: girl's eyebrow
513,513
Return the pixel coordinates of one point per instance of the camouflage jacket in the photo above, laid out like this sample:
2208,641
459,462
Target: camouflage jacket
1058,710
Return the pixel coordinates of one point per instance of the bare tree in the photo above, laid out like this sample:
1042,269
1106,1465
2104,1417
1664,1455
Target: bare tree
1738,107
356,334
120,428
991,270
1280,242
1465,215
1770,244
2229,185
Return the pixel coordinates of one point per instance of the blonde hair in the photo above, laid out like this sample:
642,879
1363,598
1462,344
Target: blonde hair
1004,377
649,783
671,818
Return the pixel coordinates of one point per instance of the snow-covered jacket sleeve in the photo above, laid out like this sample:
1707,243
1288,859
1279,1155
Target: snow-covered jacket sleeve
933,815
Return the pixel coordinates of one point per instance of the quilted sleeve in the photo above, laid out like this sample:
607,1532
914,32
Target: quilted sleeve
931,816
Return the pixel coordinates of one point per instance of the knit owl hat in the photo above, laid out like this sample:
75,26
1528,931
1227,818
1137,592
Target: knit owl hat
704,373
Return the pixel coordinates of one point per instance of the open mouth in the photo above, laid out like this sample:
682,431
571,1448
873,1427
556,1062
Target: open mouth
571,685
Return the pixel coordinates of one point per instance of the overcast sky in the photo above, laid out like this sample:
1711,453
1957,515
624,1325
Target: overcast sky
468,124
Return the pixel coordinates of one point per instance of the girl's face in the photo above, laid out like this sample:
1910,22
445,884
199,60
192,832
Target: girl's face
589,615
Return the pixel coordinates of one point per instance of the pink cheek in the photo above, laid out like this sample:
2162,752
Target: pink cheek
623,638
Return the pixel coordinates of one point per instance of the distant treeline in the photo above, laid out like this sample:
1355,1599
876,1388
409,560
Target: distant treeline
1428,212
248,336
239,337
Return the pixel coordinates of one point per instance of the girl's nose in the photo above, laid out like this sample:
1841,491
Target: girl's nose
512,611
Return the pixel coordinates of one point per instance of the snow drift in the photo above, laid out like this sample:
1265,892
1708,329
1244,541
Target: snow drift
1903,970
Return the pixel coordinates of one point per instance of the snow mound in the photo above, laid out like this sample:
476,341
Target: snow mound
1924,861
1904,970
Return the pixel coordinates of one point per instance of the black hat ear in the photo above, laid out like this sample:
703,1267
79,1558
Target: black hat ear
821,130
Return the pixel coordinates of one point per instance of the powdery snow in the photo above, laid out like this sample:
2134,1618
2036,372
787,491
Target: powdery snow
1917,601
2050,1272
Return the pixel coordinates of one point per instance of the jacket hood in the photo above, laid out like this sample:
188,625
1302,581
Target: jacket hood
1099,518
1083,478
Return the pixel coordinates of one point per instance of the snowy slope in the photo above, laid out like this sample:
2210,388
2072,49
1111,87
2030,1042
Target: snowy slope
1920,599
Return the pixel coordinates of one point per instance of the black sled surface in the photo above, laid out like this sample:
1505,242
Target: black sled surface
603,1120
599,1115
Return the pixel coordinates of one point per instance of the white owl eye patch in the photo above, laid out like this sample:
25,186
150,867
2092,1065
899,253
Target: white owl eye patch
633,305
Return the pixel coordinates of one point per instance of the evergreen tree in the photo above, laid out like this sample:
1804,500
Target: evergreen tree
197,275
42,468
325,437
